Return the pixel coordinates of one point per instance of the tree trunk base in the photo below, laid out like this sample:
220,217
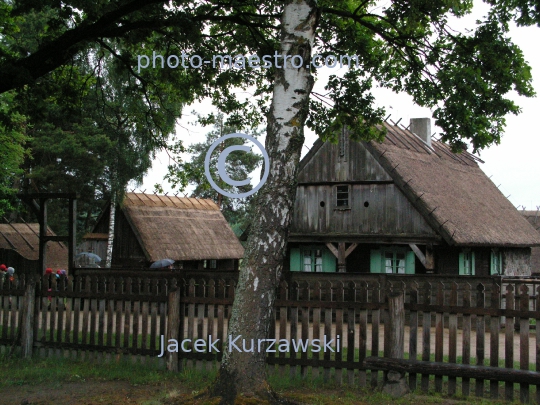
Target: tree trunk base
209,397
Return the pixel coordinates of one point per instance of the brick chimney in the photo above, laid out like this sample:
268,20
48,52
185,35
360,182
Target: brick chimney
422,128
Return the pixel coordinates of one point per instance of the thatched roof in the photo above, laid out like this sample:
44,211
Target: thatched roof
180,228
452,192
24,239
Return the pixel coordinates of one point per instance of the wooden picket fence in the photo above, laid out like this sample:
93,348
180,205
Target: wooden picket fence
455,338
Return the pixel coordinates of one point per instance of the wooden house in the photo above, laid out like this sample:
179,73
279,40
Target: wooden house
408,205
534,219
150,227
19,248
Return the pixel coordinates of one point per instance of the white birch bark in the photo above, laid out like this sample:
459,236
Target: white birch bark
245,373
110,239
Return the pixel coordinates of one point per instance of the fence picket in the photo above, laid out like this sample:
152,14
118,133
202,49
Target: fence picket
466,342
351,334
524,340
304,296
480,337
128,322
413,334
375,326
339,332
191,319
426,335
494,331
283,294
509,342
201,288
452,336
294,294
316,324
221,319
439,334
210,324
327,294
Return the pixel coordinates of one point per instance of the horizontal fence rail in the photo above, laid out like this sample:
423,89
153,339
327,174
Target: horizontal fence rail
461,336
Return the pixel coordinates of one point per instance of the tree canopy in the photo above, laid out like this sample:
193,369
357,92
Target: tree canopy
405,45
239,166
464,77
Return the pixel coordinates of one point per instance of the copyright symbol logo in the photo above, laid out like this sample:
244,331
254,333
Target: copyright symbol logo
221,166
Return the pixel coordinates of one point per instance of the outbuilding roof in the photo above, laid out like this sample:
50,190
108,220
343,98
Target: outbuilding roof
180,228
23,238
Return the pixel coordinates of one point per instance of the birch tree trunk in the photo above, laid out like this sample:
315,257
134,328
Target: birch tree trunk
244,373
110,239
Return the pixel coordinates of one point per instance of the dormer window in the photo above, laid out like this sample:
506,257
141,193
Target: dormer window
342,196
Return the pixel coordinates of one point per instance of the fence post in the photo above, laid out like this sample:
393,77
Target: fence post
173,326
27,324
395,383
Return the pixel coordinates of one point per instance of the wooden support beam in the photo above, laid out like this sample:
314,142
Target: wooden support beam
341,259
430,259
453,370
418,253
350,249
332,248
426,259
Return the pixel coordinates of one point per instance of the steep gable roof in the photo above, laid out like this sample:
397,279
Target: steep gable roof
180,228
452,192
449,189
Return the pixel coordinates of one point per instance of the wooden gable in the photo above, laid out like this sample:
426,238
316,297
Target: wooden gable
377,210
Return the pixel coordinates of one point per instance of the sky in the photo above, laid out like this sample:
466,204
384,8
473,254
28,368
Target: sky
514,165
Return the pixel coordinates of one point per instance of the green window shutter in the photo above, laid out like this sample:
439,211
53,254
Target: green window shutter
473,270
329,261
296,260
461,263
376,261
410,263
496,262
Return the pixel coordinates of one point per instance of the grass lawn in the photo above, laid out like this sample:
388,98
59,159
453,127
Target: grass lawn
62,381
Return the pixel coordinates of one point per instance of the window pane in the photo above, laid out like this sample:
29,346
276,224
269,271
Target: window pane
388,262
342,196
307,260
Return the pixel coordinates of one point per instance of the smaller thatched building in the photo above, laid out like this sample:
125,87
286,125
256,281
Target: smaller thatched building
150,227
19,248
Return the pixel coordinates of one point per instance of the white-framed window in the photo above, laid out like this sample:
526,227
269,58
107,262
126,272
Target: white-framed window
466,263
342,196
496,262
394,262
312,259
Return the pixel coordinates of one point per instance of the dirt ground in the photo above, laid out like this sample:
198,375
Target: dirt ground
120,393
83,393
